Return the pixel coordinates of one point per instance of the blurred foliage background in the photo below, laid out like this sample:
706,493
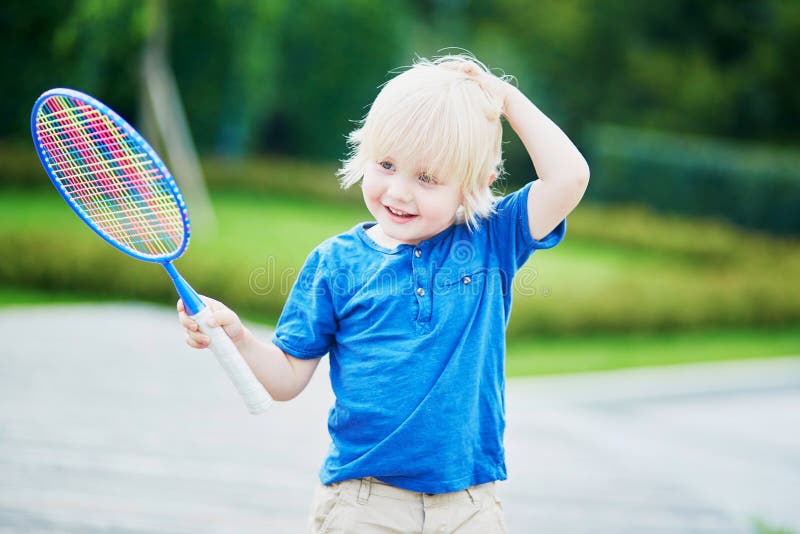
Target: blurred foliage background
687,112
280,77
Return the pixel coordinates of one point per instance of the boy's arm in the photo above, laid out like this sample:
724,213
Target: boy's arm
563,172
282,375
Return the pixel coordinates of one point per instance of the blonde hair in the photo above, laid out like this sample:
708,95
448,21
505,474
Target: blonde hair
436,113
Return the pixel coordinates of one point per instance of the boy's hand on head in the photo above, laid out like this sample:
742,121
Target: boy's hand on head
499,87
221,316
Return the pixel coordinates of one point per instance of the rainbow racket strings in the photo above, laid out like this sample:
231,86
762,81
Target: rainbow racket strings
111,180
118,185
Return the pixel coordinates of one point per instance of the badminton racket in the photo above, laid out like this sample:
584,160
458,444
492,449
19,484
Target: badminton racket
116,183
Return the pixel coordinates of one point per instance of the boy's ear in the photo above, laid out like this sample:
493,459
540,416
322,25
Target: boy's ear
491,179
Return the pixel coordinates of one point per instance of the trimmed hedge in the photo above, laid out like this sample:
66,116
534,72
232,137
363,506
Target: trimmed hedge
620,270
753,186
20,169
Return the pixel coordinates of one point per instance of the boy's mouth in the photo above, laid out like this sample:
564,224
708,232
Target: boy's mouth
400,213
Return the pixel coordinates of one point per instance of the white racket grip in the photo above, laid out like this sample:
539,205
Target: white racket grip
252,392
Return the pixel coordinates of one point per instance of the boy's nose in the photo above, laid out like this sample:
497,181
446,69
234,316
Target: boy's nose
398,190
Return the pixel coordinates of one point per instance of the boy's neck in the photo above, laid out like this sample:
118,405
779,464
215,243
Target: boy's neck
376,234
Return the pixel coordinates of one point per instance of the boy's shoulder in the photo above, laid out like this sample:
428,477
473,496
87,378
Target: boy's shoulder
340,247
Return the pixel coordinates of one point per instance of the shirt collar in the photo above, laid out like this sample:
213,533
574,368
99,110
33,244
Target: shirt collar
361,231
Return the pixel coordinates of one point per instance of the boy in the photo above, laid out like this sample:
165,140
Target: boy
412,308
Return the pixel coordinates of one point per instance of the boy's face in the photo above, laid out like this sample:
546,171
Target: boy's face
409,204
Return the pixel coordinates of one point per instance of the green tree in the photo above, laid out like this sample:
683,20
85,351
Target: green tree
715,67
334,55
227,60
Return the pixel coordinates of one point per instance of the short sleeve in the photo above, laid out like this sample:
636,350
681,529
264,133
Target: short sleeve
509,230
307,326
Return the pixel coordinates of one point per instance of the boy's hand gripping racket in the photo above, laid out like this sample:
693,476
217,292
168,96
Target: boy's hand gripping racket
118,185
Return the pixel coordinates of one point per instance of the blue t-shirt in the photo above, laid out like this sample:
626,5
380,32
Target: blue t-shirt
416,337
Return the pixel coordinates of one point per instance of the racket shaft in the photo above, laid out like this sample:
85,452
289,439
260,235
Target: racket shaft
252,392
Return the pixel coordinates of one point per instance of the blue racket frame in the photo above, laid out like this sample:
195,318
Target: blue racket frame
190,298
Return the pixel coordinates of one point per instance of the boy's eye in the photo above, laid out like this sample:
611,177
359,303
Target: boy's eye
387,165
427,178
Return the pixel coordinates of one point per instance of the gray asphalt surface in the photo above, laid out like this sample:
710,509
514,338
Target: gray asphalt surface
109,423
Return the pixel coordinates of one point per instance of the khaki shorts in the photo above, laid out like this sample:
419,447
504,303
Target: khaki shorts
366,506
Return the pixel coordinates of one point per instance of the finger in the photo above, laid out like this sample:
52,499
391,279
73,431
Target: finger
221,316
211,303
466,68
186,321
208,301
197,343
192,343
200,338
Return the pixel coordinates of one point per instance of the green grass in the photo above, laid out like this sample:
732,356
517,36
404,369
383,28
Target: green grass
761,527
609,297
11,296
622,270
607,276
627,287
554,355
548,355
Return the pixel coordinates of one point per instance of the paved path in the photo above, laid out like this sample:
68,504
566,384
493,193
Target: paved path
108,423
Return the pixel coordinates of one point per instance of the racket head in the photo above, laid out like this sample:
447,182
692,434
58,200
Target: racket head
110,176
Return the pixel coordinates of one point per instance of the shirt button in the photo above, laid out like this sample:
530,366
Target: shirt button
466,279
417,253
420,292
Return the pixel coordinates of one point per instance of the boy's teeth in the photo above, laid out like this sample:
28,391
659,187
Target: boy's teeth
398,212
